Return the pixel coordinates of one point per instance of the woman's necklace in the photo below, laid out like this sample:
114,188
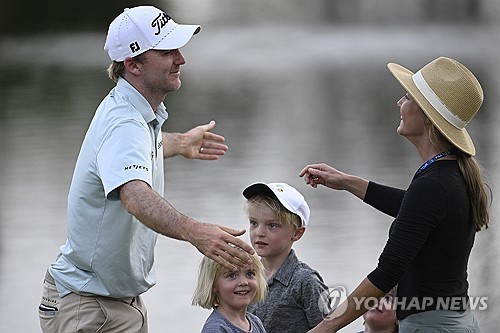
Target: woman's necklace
434,159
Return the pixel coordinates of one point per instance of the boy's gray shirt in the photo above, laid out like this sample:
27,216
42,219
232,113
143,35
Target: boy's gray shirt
294,302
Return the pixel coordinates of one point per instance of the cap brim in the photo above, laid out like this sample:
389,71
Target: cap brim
178,37
262,188
459,138
257,188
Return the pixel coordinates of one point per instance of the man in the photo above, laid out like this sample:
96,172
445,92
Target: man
115,203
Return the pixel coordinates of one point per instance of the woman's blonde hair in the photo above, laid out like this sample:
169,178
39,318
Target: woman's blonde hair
280,212
478,189
209,271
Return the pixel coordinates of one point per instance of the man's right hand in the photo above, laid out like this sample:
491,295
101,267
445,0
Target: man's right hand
216,242
222,245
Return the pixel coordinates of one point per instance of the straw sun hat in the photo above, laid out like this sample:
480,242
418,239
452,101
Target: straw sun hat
448,93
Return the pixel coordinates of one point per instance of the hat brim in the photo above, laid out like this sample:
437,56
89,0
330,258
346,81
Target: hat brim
266,190
460,138
257,188
178,37
261,188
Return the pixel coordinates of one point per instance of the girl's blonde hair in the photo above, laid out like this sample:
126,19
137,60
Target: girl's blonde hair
280,212
204,294
472,172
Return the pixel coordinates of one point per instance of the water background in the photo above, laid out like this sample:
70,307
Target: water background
289,83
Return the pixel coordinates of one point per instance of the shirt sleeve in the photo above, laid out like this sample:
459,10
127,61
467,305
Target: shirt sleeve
216,323
422,207
125,155
384,198
256,323
315,298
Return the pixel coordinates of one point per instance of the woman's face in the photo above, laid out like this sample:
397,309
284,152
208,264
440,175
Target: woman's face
412,125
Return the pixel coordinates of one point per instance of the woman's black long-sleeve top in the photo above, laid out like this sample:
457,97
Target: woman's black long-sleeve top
429,242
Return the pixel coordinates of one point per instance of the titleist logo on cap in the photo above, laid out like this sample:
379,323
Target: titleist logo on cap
139,29
160,21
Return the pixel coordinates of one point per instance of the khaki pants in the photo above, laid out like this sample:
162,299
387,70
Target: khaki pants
76,313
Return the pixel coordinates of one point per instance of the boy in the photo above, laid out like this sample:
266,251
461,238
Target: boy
278,216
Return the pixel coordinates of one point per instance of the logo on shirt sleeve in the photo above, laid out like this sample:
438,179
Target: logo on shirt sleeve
136,167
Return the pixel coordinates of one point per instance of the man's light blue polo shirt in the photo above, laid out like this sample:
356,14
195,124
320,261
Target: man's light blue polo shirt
108,251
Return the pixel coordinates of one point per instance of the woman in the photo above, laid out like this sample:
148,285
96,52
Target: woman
436,218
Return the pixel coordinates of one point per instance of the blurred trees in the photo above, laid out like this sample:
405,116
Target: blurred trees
42,16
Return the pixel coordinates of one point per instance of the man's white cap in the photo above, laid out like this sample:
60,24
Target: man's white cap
289,197
143,28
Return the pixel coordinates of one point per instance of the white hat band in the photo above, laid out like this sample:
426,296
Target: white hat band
436,102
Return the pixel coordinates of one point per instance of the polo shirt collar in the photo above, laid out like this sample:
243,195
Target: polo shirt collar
140,103
285,272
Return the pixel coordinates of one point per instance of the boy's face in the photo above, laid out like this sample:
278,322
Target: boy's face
269,237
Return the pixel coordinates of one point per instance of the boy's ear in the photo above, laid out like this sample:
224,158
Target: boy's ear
299,233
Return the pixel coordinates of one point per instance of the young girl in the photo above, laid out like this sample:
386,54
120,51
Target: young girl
228,293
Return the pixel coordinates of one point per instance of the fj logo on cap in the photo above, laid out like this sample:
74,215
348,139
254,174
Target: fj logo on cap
160,21
134,47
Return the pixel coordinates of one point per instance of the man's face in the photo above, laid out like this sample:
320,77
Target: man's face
161,70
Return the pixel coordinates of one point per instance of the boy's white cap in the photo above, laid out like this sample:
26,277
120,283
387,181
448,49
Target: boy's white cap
143,28
289,197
